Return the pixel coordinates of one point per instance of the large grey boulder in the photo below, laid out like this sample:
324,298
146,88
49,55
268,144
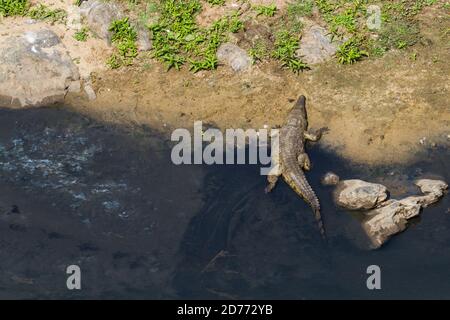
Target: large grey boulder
99,16
233,56
393,216
316,45
359,195
35,69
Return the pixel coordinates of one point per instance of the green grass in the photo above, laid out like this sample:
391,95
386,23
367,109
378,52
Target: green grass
346,19
268,11
146,13
81,35
398,34
235,24
42,12
124,39
350,52
295,11
178,40
285,47
216,2
13,7
303,8
259,51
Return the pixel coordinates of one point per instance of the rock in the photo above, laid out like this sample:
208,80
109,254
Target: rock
330,179
393,216
432,187
89,90
73,19
389,220
99,16
316,45
35,69
143,39
357,194
233,56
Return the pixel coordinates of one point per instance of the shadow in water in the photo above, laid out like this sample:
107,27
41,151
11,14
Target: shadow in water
246,244
76,191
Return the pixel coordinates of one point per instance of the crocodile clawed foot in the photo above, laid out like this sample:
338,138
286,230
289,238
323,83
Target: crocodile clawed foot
315,135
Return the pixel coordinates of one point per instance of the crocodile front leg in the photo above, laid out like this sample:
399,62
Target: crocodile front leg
314,135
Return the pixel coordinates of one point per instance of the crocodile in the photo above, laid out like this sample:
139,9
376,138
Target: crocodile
293,159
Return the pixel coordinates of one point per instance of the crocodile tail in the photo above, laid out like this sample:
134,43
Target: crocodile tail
320,223
315,205
298,178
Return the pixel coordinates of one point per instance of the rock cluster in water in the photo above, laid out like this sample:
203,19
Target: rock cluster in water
386,217
359,195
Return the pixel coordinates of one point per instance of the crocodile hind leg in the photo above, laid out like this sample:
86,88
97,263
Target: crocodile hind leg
272,179
303,161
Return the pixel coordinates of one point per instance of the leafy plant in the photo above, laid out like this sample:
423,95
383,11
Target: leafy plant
216,2
302,8
349,52
259,51
177,39
42,12
13,7
398,34
235,24
268,11
124,39
114,61
82,34
285,48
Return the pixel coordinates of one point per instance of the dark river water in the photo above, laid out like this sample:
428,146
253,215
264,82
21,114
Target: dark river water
77,192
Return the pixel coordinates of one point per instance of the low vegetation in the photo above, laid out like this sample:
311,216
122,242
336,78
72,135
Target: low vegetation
13,7
216,2
285,48
82,34
268,11
124,38
42,12
346,20
37,12
178,40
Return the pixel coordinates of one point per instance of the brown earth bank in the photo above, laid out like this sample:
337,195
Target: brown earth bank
377,111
